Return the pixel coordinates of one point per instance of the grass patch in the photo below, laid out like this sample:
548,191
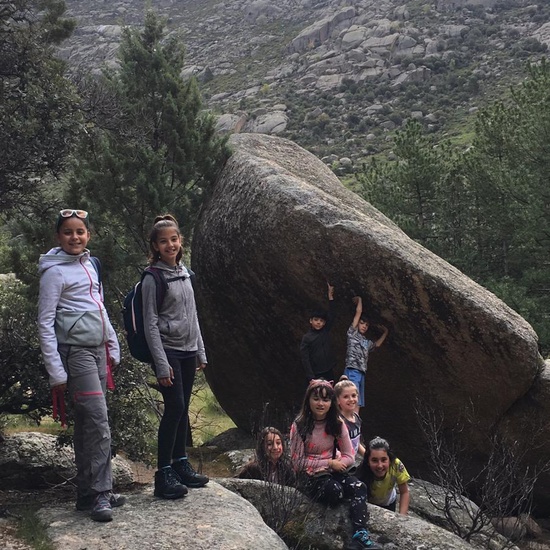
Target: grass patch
207,417
33,531
15,423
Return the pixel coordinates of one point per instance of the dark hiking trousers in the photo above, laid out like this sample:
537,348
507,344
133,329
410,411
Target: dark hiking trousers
174,425
332,488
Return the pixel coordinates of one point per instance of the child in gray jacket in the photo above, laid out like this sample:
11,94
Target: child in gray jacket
175,341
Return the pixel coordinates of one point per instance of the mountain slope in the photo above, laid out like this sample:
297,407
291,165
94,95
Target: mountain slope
336,77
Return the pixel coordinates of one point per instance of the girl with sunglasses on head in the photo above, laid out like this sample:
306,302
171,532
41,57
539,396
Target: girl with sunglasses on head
321,453
80,347
270,462
175,342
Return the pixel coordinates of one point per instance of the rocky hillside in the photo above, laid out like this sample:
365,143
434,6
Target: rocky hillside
336,76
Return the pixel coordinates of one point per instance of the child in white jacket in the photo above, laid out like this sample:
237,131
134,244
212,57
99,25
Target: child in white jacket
79,347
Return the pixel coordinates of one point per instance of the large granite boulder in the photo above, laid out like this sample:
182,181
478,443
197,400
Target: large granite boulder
308,524
33,460
207,518
277,226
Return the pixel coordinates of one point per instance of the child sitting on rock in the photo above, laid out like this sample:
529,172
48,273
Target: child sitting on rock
271,462
321,454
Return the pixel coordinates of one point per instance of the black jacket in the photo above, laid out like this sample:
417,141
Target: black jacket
316,348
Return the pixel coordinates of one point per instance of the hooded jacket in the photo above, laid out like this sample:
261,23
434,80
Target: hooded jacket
176,325
71,309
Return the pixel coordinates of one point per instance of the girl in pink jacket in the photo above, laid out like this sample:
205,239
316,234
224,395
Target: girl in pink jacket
321,454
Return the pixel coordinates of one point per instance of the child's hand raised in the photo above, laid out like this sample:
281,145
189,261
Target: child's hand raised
330,291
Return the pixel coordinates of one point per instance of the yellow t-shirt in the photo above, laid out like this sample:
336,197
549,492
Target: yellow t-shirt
382,491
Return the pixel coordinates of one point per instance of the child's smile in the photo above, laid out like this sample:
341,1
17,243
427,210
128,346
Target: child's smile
73,236
168,245
273,447
348,400
379,463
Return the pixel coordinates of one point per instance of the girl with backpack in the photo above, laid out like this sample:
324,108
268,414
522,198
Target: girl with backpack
79,347
174,338
321,453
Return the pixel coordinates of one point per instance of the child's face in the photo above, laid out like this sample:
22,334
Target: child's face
379,463
168,245
317,323
347,400
363,326
319,406
273,447
73,236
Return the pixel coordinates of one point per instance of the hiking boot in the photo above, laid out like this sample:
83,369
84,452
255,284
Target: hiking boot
187,475
362,540
101,510
86,502
167,484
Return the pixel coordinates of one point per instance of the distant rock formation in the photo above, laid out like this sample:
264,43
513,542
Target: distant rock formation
277,226
340,55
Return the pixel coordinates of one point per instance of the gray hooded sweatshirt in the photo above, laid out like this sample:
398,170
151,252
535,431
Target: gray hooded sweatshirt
176,325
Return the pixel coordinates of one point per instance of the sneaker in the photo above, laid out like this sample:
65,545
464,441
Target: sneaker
101,510
86,502
187,475
167,484
361,539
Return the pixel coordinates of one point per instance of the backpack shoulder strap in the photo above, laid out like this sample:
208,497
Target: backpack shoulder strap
192,276
97,266
160,282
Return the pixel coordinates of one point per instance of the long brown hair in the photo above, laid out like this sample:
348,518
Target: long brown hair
305,420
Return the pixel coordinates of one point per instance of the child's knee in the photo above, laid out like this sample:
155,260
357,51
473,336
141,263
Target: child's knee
333,493
92,404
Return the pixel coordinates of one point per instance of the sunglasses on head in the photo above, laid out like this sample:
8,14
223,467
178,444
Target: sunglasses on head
68,213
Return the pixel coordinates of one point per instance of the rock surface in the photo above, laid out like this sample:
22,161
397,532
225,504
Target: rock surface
214,518
277,226
31,460
207,518
330,529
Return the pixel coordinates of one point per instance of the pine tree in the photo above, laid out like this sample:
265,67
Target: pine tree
487,211
152,149
38,104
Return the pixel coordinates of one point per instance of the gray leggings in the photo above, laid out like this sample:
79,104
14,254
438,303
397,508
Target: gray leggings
87,378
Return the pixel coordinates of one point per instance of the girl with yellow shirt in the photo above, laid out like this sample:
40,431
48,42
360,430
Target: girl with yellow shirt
381,471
